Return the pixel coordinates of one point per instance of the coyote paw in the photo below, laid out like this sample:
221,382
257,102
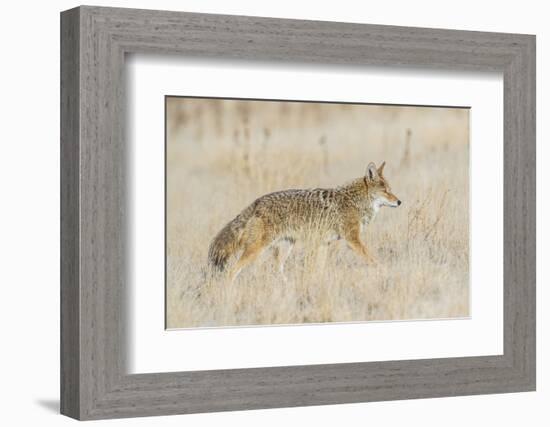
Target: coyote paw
372,262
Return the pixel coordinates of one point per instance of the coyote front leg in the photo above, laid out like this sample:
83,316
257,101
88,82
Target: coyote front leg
354,241
281,254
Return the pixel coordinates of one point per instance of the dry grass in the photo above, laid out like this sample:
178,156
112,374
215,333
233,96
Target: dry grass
221,155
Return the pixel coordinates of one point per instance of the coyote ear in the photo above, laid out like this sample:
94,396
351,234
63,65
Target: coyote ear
381,168
372,173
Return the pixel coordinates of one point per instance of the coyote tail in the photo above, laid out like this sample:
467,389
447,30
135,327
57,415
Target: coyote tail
229,240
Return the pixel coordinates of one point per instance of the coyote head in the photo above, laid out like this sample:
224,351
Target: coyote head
378,187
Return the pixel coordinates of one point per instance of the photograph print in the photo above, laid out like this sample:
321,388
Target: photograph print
283,212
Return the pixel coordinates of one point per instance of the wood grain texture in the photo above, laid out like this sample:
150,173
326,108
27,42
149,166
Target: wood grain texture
70,291
95,274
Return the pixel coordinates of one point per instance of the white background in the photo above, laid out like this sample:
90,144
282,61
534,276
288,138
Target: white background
29,214
154,350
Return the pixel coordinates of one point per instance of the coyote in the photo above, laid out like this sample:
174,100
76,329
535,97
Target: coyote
329,213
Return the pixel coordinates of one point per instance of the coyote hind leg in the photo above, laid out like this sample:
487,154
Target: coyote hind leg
251,251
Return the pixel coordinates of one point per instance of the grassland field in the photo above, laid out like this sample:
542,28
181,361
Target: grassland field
223,154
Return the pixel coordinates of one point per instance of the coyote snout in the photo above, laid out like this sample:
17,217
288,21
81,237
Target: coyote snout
388,199
290,215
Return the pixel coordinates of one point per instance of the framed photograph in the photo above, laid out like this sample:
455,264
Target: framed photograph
261,213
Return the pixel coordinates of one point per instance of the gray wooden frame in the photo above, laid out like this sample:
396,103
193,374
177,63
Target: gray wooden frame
94,41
